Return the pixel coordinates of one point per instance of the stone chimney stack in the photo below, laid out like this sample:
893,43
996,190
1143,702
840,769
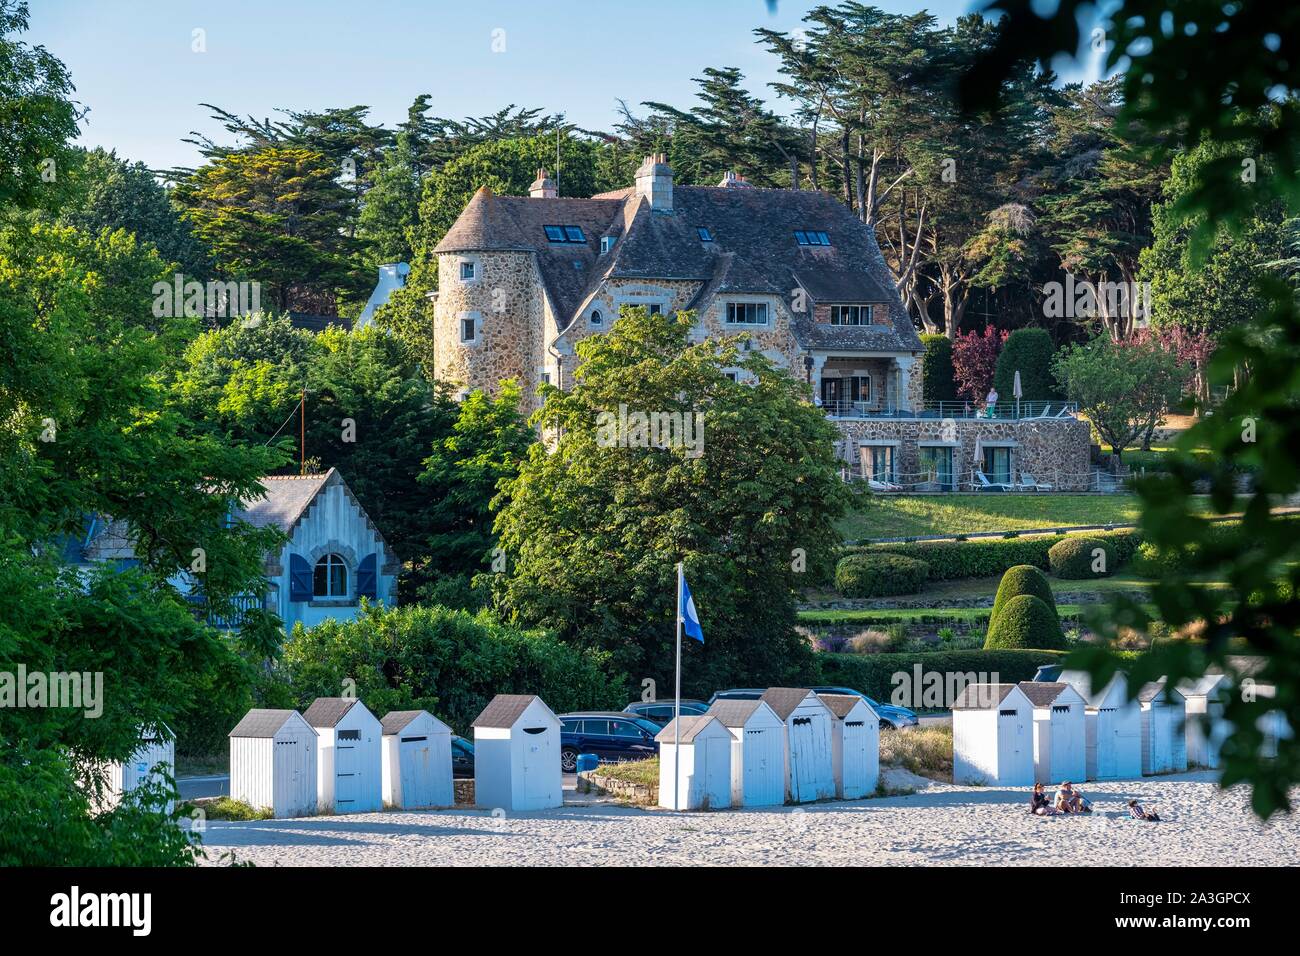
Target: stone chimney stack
733,180
543,187
654,180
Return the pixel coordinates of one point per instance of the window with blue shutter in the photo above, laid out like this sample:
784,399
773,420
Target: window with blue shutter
299,578
367,579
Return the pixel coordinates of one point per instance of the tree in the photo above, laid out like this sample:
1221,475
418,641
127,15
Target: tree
111,193
38,115
739,482
974,360
937,375
391,215
86,429
277,216
1029,352
1122,388
468,465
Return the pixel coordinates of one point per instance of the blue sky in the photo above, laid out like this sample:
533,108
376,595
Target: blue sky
134,68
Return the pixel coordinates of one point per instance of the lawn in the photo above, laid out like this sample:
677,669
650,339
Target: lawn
902,516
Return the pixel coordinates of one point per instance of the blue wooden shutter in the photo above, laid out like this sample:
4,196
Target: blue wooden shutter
300,584
367,579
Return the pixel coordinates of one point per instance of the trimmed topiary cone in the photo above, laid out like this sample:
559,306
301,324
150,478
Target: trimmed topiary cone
1025,622
1023,579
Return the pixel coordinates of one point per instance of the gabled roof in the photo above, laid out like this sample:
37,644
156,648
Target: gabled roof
1082,682
262,723
691,727
1204,686
328,711
395,721
842,705
504,710
734,713
982,696
784,700
1156,688
1043,693
287,498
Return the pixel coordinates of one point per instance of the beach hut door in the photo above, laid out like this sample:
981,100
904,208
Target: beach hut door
537,753
347,770
1107,743
802,742
416,771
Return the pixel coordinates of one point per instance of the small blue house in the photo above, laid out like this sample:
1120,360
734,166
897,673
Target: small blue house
334,556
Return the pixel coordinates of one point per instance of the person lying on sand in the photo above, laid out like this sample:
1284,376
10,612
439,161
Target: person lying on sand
1138,812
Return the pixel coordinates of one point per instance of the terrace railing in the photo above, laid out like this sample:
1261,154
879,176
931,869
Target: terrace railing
1002,411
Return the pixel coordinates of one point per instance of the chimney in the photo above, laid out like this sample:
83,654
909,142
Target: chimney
733,180
654,180
543,187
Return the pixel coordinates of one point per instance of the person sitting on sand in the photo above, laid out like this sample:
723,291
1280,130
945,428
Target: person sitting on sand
1069,800
1039,805
1138,812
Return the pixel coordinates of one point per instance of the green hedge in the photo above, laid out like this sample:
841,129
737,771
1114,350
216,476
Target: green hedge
1073,558
985,557
1029,352
938,381
873,673
1025,622
1023,579
879,575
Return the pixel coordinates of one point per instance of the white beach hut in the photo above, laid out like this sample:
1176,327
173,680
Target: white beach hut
416,761
273,763
1060,732
155,757
349,765
1114,727
699,759
993,736
1164,743
1206,728
855,745
757,752
809,760
517,755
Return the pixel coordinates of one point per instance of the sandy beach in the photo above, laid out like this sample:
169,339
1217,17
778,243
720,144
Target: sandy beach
938,825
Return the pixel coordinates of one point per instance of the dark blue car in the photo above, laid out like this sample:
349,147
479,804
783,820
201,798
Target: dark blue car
609,734
661,711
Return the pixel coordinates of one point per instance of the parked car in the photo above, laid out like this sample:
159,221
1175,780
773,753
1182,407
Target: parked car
1048,672
609,734
462,758
661,711
891,717
737,693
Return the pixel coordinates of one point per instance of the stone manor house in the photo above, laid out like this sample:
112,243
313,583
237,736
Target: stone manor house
521,280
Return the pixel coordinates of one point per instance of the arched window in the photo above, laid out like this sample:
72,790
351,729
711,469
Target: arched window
595,317
331,577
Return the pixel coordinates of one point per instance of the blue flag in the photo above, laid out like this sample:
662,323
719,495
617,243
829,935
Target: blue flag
690,620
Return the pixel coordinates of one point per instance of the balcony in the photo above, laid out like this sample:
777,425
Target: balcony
1002,411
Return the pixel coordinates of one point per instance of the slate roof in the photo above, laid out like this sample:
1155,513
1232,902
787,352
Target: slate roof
396,721
692,725
784,700
982,696
287,498
328,711
503,710
753,252
1043,693
261,723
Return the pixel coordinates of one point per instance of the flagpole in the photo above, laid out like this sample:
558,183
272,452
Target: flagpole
677,696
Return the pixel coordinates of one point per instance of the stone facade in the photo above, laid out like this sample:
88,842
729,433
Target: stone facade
1053,450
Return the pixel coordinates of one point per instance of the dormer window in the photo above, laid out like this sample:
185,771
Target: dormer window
705,234
806,237
606,244
747,313
564,234
852,314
